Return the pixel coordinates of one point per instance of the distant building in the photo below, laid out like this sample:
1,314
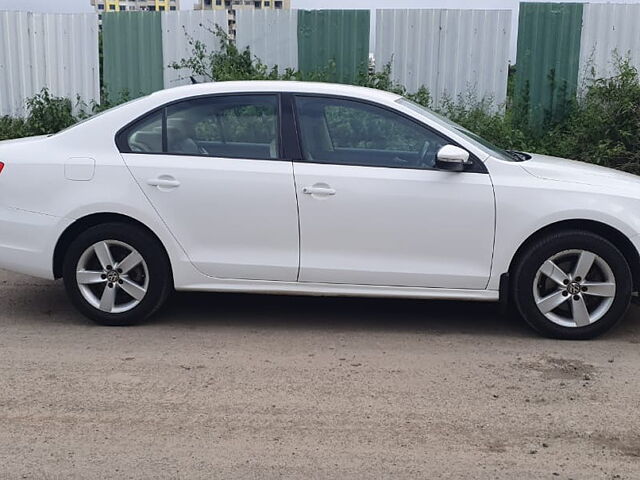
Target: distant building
237,4
135,5
103,6
232,5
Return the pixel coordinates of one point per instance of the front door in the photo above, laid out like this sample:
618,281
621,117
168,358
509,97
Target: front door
212,169
374,210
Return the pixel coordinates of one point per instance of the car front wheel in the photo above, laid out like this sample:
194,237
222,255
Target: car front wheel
572,285
116,274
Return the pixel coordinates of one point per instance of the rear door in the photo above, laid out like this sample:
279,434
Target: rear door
374,209
212,168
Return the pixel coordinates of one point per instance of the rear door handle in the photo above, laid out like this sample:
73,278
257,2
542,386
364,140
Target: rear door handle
318,190
164,182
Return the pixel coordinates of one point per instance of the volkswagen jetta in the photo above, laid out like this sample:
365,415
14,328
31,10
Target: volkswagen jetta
304,188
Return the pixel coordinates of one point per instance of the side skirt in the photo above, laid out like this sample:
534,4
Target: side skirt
340,290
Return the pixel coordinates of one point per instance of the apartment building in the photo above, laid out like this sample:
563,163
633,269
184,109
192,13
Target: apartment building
102,6
237,4
231,6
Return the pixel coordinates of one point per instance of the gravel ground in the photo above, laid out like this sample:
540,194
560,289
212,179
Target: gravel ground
239,386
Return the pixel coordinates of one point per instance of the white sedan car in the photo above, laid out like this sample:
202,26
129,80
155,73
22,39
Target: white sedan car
320,189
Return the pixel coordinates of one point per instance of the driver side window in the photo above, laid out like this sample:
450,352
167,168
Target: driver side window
348,132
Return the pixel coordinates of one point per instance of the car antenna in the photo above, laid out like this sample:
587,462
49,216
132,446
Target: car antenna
194,81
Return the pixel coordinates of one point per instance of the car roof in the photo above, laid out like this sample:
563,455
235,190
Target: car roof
117,118
249,86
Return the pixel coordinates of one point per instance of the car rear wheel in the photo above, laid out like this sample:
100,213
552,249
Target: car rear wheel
572,285
116,274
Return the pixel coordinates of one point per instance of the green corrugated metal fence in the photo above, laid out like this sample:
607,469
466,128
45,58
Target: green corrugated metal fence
328,36
132,49
548,59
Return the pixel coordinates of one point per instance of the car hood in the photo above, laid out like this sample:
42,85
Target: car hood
561,169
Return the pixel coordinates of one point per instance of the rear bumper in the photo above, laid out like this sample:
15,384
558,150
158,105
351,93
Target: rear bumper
27,241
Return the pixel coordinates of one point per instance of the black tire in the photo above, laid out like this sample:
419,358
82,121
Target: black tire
159,272
524,276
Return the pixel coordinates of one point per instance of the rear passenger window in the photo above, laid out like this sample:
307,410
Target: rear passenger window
233,126
146,136
241,126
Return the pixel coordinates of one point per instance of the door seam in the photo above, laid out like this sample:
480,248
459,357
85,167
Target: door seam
295,189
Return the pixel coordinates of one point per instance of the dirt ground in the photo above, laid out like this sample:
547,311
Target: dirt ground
258,387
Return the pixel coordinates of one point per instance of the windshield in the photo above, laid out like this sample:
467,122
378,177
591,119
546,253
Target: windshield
472,137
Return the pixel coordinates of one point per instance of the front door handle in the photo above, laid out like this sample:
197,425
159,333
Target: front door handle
319,189
164,182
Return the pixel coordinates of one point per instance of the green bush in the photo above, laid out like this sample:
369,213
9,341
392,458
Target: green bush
49,114
46,114
602,126
13,128
230,63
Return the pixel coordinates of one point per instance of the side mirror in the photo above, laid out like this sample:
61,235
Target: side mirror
452,158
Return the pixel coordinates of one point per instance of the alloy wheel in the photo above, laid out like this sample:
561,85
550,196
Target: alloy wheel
574,288
112,276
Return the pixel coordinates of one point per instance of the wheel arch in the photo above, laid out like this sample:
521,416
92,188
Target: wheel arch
81,224
615,236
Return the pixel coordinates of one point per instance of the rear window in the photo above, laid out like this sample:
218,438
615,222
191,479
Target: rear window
232,126
146,135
